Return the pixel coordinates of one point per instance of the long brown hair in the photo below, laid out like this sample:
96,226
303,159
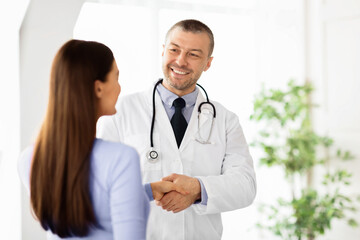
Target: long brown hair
59,180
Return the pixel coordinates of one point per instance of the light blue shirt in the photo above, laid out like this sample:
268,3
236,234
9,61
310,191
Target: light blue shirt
120,203
167,98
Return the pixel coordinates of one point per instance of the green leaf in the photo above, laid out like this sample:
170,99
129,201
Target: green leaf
287,139
352,222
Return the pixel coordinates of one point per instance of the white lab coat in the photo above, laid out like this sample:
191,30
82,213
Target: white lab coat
224,166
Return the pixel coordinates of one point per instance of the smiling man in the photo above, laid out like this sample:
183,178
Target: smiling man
203,151
185,56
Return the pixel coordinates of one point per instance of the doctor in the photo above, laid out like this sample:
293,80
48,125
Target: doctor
205,152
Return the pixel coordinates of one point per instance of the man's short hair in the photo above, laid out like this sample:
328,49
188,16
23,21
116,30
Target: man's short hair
194,26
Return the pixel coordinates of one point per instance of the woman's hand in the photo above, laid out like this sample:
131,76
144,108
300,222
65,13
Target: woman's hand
161,187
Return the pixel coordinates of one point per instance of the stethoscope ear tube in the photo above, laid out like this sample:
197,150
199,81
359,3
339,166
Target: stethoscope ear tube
212,105
153,115
207,101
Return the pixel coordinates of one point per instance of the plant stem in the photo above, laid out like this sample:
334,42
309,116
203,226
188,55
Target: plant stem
309,178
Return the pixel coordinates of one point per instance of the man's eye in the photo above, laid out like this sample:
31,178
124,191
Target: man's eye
194,55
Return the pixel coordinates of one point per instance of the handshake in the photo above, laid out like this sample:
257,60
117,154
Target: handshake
176,192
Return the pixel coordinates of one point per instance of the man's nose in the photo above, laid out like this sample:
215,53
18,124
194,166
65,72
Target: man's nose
181,59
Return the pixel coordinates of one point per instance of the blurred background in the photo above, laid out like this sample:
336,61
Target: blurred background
257,43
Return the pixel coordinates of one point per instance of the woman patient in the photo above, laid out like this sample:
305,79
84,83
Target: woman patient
80,186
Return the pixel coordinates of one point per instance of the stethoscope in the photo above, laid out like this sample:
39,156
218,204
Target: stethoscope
152,154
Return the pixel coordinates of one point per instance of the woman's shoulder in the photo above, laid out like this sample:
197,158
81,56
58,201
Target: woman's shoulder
26,154
113,160
113,149
24,164
114,153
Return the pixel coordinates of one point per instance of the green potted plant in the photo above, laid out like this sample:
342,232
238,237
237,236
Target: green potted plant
287,140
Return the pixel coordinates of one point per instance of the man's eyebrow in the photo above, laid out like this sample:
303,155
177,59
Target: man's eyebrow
194,49
171,43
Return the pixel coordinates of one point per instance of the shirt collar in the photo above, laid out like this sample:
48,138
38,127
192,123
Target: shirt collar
168,97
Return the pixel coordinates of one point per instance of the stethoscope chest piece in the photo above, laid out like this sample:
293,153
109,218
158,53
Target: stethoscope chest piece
152,155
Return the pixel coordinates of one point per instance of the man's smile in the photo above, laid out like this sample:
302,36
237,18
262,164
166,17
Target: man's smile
180,71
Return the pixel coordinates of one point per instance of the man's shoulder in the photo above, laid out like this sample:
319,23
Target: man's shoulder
135,95
221,109
132,98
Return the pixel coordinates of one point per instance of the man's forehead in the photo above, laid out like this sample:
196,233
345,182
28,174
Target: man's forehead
179,32
187,39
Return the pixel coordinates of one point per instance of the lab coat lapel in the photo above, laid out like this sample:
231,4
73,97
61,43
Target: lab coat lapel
194,125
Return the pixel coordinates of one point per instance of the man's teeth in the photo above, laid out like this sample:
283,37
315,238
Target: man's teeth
179,72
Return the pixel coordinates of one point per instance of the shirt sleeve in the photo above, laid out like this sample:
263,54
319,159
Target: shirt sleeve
148,191
129,205
204,196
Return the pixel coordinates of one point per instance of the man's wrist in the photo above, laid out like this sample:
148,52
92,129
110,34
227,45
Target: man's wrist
204,197
197,189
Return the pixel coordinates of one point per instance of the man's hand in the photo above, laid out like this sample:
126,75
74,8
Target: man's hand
174,201
162,187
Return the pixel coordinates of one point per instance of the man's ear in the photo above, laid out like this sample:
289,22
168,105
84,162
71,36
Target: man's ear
208,64
98,88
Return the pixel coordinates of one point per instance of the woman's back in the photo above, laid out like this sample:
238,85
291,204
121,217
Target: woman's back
119,201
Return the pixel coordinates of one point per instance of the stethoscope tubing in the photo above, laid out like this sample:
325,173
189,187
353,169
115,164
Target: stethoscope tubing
154,112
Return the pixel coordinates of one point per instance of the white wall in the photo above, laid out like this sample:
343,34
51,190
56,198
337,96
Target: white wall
333,66
11,15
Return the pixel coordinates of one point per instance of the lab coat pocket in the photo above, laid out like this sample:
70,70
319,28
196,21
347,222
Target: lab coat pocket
141,142
208,159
